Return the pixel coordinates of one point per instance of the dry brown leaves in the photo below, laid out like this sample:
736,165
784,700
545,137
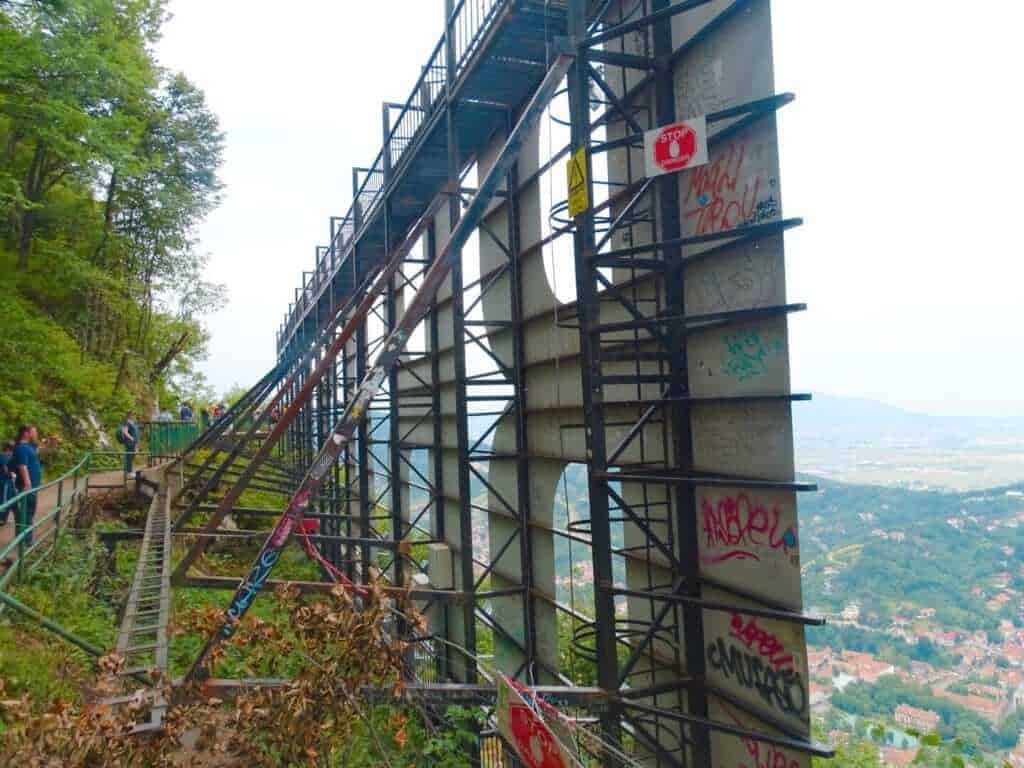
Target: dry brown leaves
345,650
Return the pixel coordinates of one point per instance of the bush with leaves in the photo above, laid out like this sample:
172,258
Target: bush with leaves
345,706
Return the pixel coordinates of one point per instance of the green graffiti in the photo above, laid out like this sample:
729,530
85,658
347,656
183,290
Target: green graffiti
747,355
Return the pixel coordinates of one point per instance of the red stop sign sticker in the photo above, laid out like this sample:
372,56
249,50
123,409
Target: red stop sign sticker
675,147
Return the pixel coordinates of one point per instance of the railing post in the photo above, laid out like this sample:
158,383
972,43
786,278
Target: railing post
56,514
74,490
20,524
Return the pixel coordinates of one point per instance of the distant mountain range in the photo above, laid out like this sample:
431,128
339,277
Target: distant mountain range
861,440
832,415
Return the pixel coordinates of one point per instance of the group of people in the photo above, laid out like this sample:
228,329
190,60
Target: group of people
20,471
187,415
208,415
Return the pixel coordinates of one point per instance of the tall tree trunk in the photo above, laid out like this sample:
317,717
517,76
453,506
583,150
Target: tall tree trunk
119,380
26,230
33,193
108,220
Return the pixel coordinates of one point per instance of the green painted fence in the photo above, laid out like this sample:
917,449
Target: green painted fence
168,439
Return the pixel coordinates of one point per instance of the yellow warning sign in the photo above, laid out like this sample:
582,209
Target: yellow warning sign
576,172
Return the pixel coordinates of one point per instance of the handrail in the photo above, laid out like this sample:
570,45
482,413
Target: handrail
467,25
73,503
19,504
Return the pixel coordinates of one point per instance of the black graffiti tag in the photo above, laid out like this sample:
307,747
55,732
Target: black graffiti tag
782,689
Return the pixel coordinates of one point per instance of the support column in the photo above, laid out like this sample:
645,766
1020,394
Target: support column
459,360
584,247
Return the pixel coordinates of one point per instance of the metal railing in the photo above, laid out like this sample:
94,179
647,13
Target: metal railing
168,439
469,23
44,529
25,541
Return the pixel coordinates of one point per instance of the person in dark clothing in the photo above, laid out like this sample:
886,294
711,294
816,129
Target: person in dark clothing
7,489
27,471
128,436
185,413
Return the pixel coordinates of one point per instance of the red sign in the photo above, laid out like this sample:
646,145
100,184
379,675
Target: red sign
674,147
532,739
527,732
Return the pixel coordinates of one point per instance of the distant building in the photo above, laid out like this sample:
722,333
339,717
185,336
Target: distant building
926,613
991,710
988,691
1014,653
921,720
897,758
921,669
947,639
838,738
818,661
851,612
821,696
864,666
1017,700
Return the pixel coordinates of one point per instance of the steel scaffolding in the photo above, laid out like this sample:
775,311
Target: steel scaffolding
433,392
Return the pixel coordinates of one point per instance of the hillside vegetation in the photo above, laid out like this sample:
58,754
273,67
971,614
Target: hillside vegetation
914,550
107,164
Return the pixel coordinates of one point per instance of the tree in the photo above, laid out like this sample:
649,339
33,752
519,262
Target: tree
856,754
107,164
71,83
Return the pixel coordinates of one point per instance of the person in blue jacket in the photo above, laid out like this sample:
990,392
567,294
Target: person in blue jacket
28,472
7,489
128,436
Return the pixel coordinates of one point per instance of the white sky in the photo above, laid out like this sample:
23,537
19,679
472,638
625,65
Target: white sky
901,153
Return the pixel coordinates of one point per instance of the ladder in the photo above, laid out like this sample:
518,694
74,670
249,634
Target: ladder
142,641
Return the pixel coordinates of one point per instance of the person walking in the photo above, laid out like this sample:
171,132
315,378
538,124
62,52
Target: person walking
185,413
128,436
28,472
7,489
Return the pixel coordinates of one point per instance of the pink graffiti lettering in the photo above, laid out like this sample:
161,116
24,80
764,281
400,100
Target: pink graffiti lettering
743,526
767,756
713,202
768,645
763,755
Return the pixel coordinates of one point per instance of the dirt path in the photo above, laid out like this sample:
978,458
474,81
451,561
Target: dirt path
48,501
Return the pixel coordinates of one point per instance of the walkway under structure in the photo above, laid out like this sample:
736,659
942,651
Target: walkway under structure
572,433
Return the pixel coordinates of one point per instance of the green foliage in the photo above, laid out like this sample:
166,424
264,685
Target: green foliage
935,565
889,649
70,589
44,379
881,699
857,754
107,163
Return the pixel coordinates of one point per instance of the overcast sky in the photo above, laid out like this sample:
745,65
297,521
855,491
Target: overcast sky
901,152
